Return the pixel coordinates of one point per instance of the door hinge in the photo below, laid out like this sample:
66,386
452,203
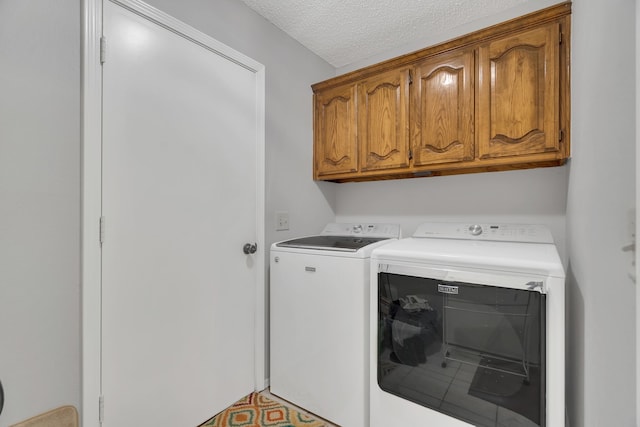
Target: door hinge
101,230
101,409
103,50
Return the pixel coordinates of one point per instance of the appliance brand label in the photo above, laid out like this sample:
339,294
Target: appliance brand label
447,289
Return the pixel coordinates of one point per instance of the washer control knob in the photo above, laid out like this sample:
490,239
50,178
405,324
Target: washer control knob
357,228
475,230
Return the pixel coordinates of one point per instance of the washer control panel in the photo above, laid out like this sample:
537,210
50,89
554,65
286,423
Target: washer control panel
531,233
391,231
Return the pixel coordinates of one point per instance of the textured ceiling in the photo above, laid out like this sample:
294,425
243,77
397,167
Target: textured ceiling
346,31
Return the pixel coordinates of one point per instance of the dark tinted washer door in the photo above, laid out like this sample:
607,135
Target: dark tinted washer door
474,352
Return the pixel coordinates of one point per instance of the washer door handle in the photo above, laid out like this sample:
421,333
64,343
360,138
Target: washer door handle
250,248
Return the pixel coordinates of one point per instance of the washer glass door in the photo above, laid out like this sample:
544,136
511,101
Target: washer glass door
472,351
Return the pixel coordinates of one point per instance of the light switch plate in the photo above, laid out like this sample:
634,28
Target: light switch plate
282,221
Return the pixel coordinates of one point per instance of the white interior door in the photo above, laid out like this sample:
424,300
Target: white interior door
179,188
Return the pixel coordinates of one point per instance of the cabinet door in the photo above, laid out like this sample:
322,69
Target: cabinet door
518,112
442,109
335,142
383,121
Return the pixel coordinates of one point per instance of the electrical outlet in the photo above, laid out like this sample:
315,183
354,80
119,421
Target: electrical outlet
282,221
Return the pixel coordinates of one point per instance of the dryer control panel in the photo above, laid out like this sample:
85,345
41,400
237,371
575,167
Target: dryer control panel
390,231
485,231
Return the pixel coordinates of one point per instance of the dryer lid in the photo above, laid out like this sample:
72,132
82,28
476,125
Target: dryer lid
331,243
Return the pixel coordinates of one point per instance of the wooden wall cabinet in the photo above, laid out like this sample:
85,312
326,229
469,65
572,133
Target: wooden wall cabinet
496,99
383,121
518,94
335,143
442,109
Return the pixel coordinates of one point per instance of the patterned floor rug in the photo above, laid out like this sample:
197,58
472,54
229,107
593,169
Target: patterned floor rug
256,410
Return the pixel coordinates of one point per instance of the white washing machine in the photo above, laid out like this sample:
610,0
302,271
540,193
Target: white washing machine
319,320
467,328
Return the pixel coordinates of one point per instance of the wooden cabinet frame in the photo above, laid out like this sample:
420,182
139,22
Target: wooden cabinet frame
447,109
383,121
442,104
335,138
519,115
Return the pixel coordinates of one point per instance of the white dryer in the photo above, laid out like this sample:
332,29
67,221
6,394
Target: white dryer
467,328
319,320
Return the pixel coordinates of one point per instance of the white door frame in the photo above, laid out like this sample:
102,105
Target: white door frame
637,210
637,206
92,188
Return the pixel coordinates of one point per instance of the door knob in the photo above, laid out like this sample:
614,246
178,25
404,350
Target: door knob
250,248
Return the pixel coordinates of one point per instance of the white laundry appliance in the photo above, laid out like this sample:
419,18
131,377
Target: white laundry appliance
319,320
467,328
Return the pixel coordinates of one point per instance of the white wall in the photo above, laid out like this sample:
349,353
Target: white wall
40,187
601,331
637,253
40,176
39,206
585,203
530,196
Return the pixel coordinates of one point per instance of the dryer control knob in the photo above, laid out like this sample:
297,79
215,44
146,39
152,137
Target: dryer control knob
475,230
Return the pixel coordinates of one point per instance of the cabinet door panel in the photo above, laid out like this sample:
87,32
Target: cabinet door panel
335,132
383,121
518,97
442,114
